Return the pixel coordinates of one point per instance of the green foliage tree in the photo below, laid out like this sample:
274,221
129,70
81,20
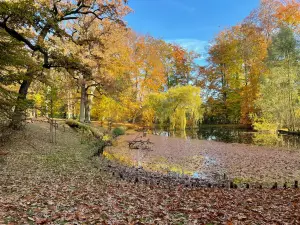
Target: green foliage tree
176,106
279,100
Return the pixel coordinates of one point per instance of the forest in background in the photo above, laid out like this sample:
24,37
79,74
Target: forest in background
78,59
253,72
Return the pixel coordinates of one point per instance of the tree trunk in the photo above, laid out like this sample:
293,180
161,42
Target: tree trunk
69,113
290,99
87,118
89,102
82,102
20,107
224,90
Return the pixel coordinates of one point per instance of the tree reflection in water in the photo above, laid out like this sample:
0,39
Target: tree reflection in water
236,135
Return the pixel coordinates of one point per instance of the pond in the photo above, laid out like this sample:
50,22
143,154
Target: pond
210,160
162,157
211,151
229,134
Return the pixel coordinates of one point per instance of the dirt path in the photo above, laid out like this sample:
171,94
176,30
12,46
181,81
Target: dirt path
42,183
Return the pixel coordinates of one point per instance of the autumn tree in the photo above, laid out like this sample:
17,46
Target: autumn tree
221,77
253,52
265,18
236,65
148,68
100,46
183,66
39,23
288,13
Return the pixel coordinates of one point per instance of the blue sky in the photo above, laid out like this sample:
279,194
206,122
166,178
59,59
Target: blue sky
191,23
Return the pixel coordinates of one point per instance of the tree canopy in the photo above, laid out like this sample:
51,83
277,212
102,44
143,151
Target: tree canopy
79,59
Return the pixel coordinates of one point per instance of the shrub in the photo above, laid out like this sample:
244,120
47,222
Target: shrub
118,131
262,124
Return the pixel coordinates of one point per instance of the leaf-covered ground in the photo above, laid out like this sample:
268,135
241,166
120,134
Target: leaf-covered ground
42,183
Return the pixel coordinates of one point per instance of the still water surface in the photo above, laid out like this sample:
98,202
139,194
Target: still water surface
236,135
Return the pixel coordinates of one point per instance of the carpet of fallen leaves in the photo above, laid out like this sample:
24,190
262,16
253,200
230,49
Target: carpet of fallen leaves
240,162
43,183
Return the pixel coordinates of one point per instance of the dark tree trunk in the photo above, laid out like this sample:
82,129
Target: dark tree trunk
87,108
20,107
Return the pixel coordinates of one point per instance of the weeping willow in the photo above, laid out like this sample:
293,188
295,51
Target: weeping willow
177,106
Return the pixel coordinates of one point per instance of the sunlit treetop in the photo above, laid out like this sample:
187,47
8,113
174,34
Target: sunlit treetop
289,12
